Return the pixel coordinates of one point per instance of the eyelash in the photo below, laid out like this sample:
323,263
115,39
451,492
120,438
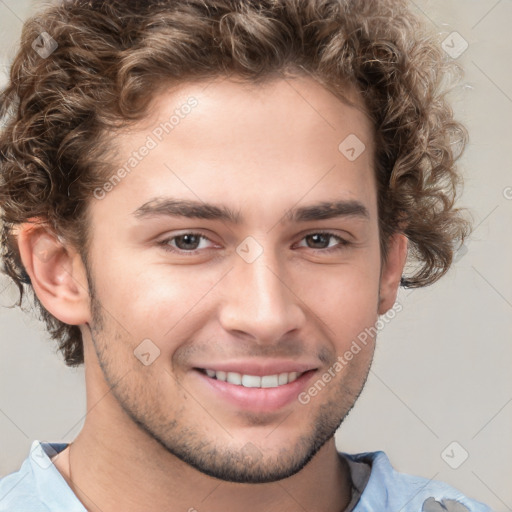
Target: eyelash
166,247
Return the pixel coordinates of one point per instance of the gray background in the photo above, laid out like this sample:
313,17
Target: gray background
442,370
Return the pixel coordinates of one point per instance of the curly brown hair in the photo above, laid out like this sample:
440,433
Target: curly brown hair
112,57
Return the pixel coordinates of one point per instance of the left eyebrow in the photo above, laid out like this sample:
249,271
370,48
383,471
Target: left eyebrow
328,210
200,210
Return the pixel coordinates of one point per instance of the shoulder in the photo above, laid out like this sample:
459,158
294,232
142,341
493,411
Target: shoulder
18,490
38,486
389,490
16,493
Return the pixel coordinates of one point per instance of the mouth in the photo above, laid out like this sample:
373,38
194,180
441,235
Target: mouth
255,393
252,381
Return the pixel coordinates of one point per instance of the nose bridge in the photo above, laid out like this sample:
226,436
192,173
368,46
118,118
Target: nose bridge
259,300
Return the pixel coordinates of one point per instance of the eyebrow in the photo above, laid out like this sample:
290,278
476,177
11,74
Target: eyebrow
159,206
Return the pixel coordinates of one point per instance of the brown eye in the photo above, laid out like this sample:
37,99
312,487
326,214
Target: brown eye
184,243
320,241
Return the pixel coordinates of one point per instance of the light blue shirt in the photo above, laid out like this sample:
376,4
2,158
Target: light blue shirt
38,486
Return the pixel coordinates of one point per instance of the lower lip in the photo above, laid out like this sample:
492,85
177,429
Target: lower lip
257,399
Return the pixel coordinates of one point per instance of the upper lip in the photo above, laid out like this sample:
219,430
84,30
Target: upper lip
258,368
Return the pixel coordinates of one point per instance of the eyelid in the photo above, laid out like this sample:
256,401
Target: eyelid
334,233
165,242
342,242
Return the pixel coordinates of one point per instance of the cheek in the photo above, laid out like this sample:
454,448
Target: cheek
158,302
344,296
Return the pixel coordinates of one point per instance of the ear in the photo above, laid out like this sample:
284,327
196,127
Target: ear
56,272
391,272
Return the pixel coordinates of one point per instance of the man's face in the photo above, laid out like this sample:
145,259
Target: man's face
266,295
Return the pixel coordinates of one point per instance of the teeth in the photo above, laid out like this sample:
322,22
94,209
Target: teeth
254,381
234,378
248,381
270,381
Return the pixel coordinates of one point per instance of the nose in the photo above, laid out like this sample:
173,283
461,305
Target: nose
259,301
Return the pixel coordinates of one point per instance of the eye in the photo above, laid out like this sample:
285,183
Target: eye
322,238
185,243
190,242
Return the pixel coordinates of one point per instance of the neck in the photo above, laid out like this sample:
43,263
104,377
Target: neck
110,475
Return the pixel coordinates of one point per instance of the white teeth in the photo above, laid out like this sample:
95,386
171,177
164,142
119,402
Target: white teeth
234,378
269,381
249,381
254,381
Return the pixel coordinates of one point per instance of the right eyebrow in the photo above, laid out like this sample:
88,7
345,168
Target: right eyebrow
186,208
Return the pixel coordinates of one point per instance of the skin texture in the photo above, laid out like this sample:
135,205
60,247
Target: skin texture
155,436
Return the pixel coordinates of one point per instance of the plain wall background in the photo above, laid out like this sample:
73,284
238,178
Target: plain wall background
442,369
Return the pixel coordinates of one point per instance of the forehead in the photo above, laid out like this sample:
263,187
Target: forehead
223,104
260,145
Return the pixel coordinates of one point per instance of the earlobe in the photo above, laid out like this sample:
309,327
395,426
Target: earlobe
56,272
392,270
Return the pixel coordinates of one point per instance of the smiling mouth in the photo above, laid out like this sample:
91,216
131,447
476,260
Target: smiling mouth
252,381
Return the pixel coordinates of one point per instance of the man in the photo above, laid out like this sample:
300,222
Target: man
212,201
